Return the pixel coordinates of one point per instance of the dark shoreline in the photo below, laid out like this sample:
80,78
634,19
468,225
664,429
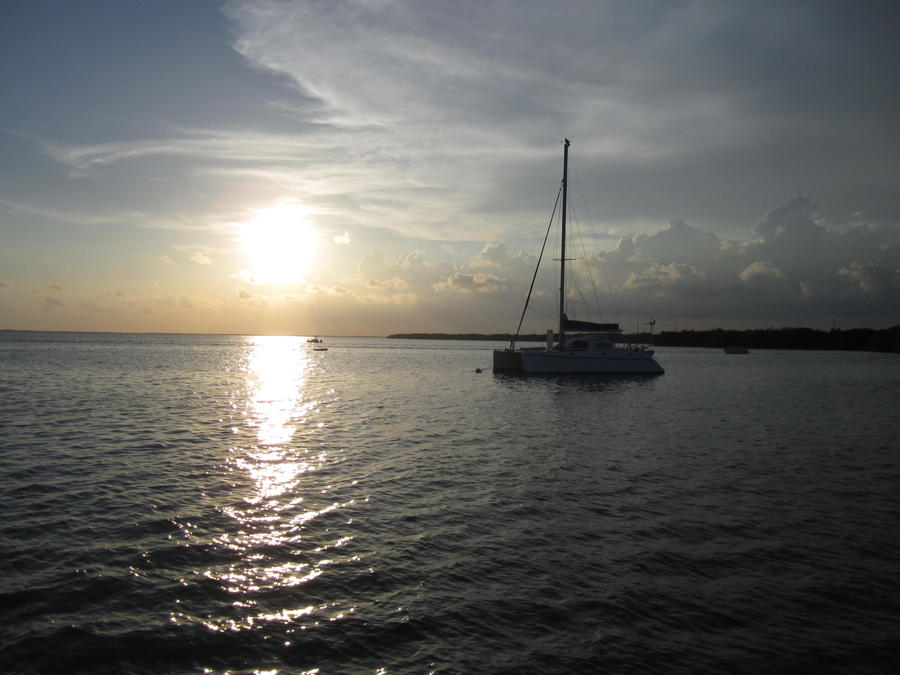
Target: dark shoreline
854,339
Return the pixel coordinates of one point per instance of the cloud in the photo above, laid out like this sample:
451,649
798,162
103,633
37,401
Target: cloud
70,215
698,103
682,274
395,284
872,279
343,239
494,254
91,307
190,143
791,219
761,272
470,283
674,279
431,133
679,243
405,299
687,110
50,304
201,258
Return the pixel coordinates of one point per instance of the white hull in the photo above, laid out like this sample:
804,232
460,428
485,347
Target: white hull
615,361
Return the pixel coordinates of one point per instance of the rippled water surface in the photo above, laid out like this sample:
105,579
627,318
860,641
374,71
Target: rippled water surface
247,504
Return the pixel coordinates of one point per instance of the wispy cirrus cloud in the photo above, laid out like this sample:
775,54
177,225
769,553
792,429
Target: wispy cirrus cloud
216,145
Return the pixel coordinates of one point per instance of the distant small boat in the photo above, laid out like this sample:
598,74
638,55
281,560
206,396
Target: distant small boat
736,350
320,349
313,339
594,348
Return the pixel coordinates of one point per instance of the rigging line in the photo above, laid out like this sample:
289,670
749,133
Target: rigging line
597,309
587,261
543,316
586,304
575,288
512,344
609,287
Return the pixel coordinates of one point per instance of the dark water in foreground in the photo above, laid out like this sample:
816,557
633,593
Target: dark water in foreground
211,504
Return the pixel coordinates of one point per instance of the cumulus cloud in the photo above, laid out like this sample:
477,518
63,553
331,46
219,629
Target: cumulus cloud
679,243
50,304
343,239
672,280
470,283
396,284
871,278
404,281
494,254
681,274
761,272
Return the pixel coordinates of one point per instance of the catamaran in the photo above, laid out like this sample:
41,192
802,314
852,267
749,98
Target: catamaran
590,348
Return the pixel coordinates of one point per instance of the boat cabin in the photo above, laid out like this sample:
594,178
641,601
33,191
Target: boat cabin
599,342
590,342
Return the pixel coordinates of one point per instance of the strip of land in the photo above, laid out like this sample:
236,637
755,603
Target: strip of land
854,339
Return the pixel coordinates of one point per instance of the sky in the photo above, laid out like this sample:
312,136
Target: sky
366,167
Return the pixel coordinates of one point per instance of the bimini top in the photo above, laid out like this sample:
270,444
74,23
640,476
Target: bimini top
589,326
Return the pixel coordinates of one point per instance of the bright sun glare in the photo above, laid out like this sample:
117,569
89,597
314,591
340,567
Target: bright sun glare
280,244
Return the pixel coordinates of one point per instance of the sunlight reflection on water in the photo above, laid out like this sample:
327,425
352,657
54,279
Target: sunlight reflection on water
276,371
276,463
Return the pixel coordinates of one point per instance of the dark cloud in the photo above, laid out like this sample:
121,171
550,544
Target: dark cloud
679,243
796,270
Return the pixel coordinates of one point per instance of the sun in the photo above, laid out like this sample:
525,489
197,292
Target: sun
280,244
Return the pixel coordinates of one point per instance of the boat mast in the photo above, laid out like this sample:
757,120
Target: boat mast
562,251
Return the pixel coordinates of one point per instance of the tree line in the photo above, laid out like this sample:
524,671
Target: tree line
853,339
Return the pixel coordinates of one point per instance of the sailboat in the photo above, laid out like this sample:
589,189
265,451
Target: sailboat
583,347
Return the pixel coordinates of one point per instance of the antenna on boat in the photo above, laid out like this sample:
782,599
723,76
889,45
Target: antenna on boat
637,317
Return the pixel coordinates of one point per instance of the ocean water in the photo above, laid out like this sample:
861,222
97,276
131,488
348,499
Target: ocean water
191,504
